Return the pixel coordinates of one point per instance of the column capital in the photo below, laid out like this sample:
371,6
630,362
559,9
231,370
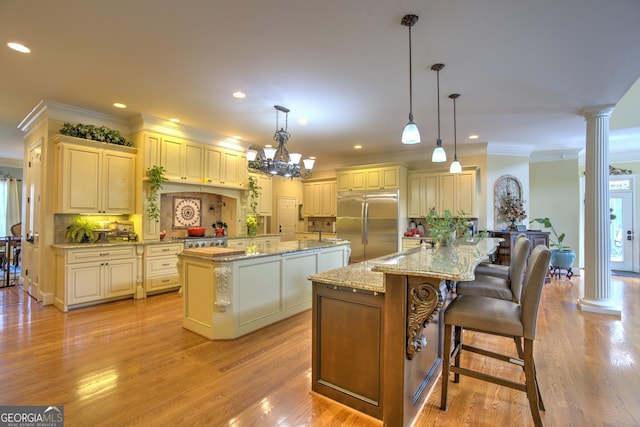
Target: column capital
598,111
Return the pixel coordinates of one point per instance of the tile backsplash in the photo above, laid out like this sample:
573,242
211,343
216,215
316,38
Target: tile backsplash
324,224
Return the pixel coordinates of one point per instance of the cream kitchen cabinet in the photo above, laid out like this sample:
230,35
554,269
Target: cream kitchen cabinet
160,267
244,242
225,167
94,177
265,201
319,199
94,275
423,194
351,180
383,177
456,192
182,160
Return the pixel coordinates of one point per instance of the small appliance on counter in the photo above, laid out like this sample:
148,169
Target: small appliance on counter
122,230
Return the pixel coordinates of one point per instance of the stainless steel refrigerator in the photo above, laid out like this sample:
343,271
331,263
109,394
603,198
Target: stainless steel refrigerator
369,220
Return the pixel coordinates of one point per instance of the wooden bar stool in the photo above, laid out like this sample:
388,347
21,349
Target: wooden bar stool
498,317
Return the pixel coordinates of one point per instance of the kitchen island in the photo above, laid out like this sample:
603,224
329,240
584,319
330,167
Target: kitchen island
229,292
377,327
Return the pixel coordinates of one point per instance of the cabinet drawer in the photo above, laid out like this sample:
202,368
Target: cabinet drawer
165,265
162,282
163,250
97,254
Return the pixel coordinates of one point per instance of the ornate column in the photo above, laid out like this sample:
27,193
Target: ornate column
597,270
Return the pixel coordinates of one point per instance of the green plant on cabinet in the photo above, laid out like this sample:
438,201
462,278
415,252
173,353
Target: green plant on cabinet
444,227
254,196
156,175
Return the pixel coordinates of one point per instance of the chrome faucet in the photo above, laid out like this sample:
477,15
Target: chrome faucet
319,234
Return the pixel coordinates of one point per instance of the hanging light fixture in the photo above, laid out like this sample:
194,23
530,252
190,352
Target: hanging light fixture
410,134
456,167
439,154
277,161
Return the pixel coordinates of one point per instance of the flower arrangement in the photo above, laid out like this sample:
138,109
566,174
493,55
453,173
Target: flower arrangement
511,209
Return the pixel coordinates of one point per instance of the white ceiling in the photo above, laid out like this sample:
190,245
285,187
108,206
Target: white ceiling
525,69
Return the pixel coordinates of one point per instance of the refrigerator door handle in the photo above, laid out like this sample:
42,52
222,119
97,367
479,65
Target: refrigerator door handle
366,223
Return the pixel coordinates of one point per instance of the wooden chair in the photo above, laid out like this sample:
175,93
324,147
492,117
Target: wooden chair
502,283
498,317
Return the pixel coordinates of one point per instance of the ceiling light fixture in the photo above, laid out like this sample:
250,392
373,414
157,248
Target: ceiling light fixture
19,47
410,134
439,154
240,95
278,161
119,105
456,167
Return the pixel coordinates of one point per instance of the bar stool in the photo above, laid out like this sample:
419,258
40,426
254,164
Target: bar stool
503,318
502,283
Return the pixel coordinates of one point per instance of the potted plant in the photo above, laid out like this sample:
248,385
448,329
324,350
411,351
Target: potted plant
81,231
444,227
254,195
561,255
156,179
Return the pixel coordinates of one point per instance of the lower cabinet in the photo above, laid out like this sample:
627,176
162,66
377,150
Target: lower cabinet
160,267
94,275
245,242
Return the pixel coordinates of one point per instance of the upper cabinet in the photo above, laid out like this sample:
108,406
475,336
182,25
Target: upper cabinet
193,162
429,190
182,160
225,167
94,177
319,198
374,178
266,195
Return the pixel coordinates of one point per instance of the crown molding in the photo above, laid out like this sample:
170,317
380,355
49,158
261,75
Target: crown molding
501,149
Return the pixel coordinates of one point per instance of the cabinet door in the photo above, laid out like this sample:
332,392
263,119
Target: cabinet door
119,277
192,156
152,147
430,191
307,200
317,199
374,179
171,157
84,283
358,180
118,177
467,194
213,165
390,178
230,168
343,181
328,199
447,193
265,202
80,170
415,203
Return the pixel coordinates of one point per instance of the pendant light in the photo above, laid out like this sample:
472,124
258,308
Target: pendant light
456,167
439,154
410,134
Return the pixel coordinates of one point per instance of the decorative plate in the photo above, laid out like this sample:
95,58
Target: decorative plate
186,212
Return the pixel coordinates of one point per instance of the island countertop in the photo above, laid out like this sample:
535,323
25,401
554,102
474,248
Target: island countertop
456,262
267,249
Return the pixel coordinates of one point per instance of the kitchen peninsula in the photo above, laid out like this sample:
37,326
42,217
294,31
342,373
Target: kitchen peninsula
229,292
377,327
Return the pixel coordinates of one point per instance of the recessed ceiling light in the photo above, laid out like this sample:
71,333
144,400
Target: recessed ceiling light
357,147
19,47
473,136
239,95
303,121
119,105
174,120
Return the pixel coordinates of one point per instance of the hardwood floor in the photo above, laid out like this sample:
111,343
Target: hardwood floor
131,363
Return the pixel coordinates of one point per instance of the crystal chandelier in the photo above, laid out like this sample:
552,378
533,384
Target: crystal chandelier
277,160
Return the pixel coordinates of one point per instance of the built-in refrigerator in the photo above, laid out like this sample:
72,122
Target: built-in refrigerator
369,220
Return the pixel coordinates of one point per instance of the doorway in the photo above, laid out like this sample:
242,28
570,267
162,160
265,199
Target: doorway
287,216
622,247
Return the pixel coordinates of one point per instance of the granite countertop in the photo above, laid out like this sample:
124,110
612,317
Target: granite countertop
456,262
68,245
275,248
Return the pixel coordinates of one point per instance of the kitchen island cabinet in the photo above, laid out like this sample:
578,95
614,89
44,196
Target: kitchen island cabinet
229,295
378,327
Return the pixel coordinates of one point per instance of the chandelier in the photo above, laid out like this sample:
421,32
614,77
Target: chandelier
277,160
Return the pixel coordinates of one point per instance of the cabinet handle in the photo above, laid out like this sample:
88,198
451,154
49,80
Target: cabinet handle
106,254
166,265
166,280
166,250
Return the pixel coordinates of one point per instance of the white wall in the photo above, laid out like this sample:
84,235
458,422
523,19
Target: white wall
497,166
